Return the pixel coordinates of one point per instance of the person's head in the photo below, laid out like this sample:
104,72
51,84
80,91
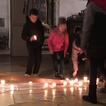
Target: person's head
78,30
33,15
62,24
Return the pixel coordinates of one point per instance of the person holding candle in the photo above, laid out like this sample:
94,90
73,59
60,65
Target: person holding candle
58,42
93,42
33,34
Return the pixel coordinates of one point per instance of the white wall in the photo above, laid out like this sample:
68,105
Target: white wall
71,7
4,12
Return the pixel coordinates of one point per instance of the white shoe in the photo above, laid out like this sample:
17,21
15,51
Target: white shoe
27,75
35,75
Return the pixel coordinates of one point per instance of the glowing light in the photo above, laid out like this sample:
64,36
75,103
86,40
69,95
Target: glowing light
30,82
53,84
46,85
80,83
67,79
71,82
12,87
65,83
2,82
35,37
76,80
85,79
97,80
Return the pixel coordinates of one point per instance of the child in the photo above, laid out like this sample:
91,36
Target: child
58,44
76,50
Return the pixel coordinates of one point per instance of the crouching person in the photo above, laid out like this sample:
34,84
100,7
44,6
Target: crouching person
58,44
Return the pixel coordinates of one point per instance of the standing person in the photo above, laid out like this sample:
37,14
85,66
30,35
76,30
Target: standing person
76,50
33,34
58,44
94,43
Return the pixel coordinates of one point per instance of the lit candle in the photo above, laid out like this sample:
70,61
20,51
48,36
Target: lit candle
30,82
76,80
71,82
12,87
35,37
65,83
85,79
80,83
97,80
46,85
53,84
2,82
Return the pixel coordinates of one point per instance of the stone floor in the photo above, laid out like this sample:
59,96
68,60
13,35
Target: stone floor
12,70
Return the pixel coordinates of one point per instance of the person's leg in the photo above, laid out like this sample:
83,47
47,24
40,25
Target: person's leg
30,62
61,64
55,64
92,97
37,60
75,63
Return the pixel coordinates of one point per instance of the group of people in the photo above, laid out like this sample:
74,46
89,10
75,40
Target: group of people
92,43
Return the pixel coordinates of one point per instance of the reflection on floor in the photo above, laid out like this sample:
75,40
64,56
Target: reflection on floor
18,90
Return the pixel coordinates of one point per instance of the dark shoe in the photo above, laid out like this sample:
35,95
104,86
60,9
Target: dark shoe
89,99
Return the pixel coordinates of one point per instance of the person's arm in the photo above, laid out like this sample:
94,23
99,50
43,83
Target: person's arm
25,33
87,25
50,46
66,44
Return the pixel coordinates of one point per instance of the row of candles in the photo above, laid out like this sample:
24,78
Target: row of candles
65,83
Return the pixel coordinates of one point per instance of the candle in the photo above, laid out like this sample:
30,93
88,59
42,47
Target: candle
97,80
85,79
46,85
30,82
53,84
45,93
76,80
2,82
80,83
71,82
65,83
35,37
72,89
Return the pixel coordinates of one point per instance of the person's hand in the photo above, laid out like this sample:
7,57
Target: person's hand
33,38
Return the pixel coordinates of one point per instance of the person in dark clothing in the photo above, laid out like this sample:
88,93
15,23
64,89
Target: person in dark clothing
33,34
94,43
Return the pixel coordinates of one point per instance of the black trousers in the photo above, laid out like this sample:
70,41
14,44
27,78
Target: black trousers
58,62
34,60
95,65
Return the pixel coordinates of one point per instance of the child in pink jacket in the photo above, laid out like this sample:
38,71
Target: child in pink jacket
58,44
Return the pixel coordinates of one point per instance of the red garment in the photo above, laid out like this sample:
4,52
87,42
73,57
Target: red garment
58,42
100,3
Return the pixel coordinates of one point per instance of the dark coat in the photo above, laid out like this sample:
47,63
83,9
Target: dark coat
97,40
30,29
